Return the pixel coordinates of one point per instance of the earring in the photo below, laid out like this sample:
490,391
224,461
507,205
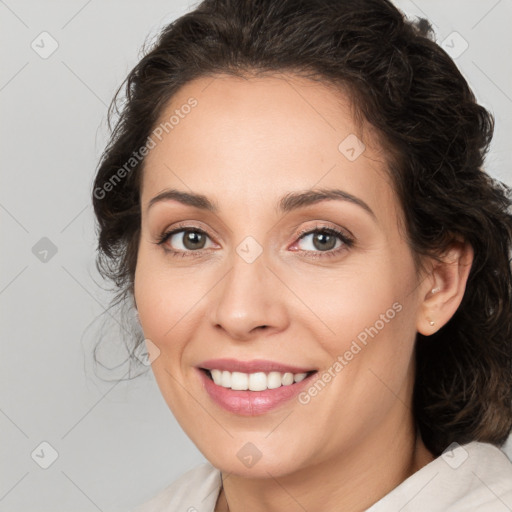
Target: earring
435,290
431,322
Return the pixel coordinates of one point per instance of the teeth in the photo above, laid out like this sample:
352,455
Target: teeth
216,376
258,381
274,380
287,379
239,381
225,380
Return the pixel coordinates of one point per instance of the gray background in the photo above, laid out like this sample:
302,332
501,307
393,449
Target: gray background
117,444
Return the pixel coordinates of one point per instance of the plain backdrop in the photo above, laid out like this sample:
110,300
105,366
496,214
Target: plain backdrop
108,446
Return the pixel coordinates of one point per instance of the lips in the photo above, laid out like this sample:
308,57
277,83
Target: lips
252,387
256,365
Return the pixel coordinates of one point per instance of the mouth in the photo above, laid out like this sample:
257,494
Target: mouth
252,388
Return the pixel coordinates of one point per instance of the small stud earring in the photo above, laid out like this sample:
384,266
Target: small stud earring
435,290
431,322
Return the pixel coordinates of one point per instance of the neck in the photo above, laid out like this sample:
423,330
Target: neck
351,481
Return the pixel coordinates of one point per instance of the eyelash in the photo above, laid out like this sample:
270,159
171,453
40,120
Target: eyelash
348,242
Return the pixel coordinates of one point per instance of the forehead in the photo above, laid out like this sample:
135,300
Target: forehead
250,138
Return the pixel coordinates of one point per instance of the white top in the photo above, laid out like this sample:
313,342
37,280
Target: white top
476,477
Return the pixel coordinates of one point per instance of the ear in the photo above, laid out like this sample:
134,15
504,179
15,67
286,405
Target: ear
442,291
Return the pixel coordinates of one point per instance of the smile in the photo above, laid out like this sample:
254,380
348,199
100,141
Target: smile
251,388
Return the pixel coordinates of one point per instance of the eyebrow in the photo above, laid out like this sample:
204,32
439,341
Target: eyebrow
289,202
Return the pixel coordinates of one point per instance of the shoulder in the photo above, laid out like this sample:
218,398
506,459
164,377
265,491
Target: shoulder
194,491
469,478
488,478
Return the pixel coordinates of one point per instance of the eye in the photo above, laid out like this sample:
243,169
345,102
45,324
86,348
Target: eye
318,242
324,240
184,240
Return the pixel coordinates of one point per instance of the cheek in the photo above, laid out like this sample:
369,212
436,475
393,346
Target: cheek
165,300
357,300
369,318
365,322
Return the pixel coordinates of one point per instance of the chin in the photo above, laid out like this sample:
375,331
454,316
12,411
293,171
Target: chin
253,456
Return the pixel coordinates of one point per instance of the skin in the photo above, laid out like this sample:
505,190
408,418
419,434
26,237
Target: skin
248,142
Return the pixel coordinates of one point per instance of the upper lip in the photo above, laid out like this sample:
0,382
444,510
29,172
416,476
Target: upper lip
253,366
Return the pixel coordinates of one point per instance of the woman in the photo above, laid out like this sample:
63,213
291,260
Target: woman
293,198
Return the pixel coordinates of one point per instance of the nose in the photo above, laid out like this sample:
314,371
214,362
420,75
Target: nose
249,299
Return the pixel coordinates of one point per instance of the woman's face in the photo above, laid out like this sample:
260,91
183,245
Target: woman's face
256,284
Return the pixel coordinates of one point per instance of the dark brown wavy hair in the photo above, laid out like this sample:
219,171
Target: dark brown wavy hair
410,90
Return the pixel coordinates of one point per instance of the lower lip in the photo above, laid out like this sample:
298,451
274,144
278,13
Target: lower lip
251,403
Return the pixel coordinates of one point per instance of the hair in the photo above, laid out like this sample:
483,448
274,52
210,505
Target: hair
406,87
